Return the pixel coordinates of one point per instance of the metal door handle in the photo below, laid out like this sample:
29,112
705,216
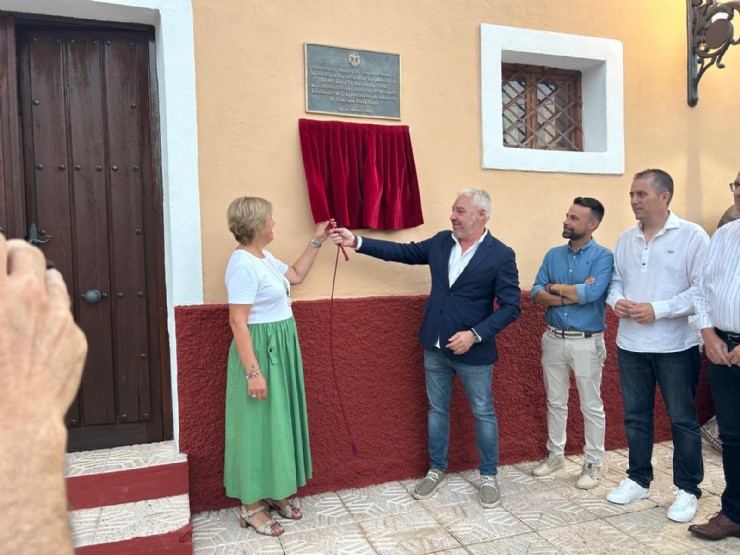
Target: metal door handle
34,237
93,296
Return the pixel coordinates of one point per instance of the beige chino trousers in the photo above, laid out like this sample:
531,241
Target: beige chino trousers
585,357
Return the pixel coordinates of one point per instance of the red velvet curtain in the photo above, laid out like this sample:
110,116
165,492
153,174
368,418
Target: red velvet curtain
361,175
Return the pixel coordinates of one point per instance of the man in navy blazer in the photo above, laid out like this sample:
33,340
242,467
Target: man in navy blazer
470,269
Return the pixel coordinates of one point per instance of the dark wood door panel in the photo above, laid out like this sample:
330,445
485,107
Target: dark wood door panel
90,158
12,222
47,193
91,228
129,277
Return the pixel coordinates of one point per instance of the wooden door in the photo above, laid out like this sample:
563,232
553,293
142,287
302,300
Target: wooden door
92,201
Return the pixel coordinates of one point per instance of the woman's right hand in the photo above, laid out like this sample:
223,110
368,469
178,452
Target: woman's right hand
257,387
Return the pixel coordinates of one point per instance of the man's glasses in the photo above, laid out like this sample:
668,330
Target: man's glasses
734,185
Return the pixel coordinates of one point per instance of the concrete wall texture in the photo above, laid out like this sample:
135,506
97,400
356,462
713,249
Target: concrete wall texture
250,94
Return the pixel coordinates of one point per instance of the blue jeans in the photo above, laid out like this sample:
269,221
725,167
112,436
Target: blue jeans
677,374
725,383
476,380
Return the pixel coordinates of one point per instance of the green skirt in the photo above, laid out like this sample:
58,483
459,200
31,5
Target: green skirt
267,452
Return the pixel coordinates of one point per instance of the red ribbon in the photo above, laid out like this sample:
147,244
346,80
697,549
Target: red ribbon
331,349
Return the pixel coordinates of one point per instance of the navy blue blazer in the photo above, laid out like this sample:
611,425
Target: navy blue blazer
491,274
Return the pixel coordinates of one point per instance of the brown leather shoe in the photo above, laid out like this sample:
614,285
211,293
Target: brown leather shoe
718,527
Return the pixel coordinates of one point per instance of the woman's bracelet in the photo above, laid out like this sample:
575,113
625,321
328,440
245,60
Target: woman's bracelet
250,375
315,244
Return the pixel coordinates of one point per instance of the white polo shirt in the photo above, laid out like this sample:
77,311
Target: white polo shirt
664,272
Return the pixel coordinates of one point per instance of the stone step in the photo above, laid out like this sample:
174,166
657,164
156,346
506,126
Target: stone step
132,499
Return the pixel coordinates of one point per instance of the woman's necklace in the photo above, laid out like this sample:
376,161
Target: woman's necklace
283,280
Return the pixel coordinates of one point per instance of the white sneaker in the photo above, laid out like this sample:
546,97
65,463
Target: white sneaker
590,476
548,466
627,492
684,507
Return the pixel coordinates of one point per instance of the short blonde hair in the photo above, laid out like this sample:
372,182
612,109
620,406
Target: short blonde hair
247,217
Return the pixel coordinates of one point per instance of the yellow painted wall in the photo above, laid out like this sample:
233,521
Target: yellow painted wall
250,95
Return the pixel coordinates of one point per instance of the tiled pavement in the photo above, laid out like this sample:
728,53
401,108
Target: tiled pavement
536,515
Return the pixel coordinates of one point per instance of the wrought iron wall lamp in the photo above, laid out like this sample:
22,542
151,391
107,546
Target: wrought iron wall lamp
710,34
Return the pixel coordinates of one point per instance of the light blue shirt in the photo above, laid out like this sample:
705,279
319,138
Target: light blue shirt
564,265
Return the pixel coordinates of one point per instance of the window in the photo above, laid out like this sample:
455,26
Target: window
601,103
541,107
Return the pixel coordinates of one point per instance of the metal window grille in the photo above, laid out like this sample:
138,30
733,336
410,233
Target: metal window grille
541,108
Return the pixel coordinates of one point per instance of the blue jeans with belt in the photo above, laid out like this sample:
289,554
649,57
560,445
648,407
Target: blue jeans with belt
476,381
677,374
725,384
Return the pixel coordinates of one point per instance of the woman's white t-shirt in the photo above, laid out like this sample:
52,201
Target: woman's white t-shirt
261,283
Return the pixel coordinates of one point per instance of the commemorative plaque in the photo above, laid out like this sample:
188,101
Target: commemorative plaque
352,82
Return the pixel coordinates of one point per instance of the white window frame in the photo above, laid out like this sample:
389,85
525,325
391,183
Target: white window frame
600,62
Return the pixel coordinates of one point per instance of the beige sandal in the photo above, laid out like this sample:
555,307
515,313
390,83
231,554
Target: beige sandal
266,529
289,511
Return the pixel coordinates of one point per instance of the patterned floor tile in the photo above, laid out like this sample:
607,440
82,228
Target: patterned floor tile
655,532
377,501
714,479
85,462
596,536
616,471
139,456
143,518
471,523
663,457
83,524
412,532
518,478
521,544
546,511
602,508
122,458
344,539
219,533
711,455
513,479
319,511
728,546
386,519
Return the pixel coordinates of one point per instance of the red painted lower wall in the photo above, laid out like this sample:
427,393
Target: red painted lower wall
380,378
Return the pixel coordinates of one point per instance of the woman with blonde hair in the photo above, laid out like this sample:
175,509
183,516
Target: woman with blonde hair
267,454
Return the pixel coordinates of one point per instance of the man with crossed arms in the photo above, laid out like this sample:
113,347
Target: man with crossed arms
572,282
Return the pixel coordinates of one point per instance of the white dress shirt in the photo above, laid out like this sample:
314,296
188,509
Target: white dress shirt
717,302
664,272
458,260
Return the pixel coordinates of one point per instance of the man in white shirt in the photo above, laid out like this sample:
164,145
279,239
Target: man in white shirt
717,315
657,266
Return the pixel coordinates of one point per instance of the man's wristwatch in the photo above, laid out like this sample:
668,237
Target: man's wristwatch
476,337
